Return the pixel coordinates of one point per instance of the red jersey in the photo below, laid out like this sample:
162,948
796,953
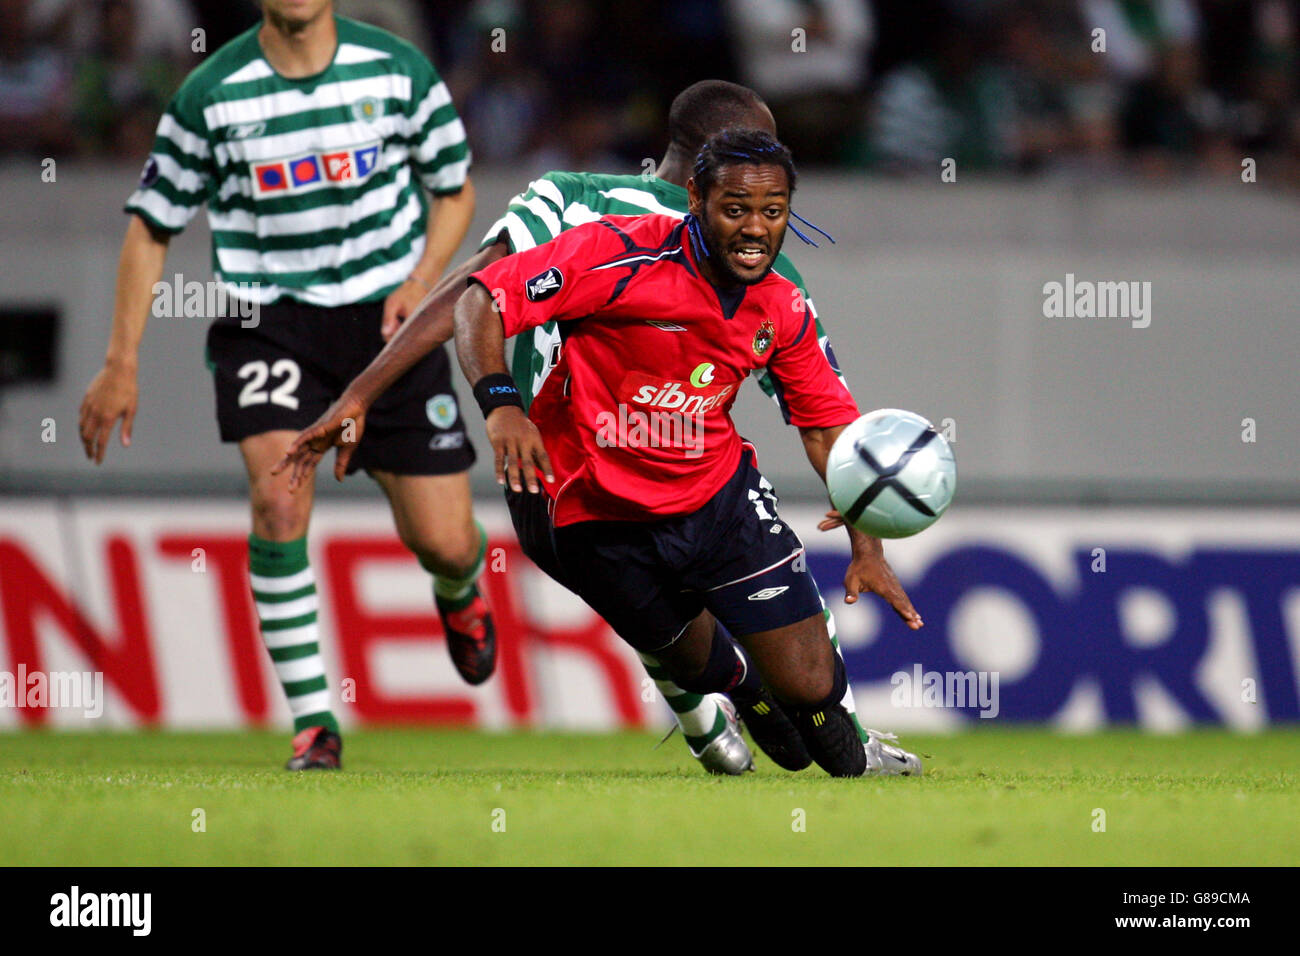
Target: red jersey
636,415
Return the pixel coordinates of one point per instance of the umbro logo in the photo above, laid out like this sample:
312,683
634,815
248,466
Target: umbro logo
665,326
544,286
768,593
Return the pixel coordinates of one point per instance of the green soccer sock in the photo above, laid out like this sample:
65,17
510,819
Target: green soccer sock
847,701
698,715
284,590
452,594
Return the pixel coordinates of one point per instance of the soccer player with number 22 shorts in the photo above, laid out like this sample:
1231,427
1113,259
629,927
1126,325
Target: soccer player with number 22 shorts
556,202
311,139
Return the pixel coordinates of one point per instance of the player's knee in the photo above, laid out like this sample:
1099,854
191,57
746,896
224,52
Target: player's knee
447,551
279,516
804,686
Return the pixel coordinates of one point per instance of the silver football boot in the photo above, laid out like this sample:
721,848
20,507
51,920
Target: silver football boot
884,758
726,753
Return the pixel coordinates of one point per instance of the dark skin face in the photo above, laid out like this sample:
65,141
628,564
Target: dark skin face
742,221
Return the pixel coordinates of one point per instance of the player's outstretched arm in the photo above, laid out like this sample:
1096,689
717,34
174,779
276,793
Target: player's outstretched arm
342,424
113,393
448,222
480,348
868,570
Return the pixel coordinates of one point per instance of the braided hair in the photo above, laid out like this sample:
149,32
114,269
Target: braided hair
733,147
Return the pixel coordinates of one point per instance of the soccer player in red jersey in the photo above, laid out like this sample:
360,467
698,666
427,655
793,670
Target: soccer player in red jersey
652,508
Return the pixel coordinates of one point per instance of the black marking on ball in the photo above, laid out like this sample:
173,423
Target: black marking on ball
887,478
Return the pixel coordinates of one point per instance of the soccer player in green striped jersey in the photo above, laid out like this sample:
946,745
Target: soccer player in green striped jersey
551,204
313,140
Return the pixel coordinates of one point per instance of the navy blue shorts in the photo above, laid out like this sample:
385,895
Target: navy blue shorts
648,580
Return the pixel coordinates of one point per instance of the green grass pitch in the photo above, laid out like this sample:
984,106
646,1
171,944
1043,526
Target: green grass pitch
424,797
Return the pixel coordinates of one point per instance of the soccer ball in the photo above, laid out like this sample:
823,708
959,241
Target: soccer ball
890,474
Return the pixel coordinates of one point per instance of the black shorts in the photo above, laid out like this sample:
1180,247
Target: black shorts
285,371
648,580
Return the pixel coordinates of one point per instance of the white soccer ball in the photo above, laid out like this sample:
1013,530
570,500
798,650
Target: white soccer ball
890,474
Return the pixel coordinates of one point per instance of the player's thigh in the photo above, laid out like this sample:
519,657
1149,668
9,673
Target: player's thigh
615,567
797,660
530,514
434,515
278,513
688,656
269,378
415,427
752,569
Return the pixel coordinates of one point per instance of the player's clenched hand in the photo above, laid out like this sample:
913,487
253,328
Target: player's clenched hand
518,447
869,571
340,427
112,394
401,302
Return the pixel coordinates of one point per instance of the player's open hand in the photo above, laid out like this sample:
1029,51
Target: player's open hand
402,302
112,394
518,447
340,427
869,571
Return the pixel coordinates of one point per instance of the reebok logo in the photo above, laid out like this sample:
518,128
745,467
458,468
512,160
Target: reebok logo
245,130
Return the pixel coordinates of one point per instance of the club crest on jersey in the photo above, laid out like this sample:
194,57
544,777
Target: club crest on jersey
368,109
763,337
309,171
544,285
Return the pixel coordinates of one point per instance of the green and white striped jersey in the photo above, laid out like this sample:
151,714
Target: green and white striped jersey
562,200
309,182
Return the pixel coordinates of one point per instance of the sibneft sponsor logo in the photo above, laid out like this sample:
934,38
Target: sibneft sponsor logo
75,908
662,413
672,397
53,689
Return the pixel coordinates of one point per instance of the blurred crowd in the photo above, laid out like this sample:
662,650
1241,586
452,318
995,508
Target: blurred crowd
1099,87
